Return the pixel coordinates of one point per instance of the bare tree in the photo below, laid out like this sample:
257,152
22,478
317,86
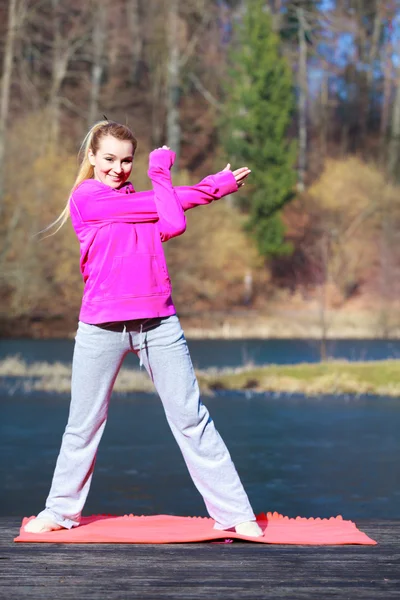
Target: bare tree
394,143
173,80
386,98
69,34
180,50
98,44
303,89
15,10
136,35
324,112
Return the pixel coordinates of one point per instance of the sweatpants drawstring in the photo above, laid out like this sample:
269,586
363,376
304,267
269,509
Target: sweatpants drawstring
141,340
140,346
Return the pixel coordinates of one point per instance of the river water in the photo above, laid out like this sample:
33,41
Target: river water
299,456
224,353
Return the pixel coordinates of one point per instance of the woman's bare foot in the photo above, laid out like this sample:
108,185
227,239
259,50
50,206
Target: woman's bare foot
41,526
249,528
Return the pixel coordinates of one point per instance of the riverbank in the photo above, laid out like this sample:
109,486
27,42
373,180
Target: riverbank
294,321
286,320
380,378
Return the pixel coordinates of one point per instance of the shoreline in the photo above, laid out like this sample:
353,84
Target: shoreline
293,323
288,324
378,378
332,377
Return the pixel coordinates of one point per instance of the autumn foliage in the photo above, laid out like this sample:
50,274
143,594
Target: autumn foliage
164,69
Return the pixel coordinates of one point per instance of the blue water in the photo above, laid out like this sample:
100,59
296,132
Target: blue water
311,457
224,353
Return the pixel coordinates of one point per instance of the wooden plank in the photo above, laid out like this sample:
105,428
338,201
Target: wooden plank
197,571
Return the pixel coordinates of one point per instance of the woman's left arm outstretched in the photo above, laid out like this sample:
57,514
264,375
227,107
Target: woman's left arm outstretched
212,187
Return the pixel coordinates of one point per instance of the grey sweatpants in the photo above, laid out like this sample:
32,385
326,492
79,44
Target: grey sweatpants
98,355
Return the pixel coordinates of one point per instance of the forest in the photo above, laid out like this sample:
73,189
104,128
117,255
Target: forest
306,93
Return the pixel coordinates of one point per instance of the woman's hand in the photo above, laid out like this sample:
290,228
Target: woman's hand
240,174
163,157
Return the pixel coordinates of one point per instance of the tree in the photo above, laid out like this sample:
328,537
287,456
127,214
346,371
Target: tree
134,21
258,113
298,26
394,142
173,79
15,9
68,30
98,64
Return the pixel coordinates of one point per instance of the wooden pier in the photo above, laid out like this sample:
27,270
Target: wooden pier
211,571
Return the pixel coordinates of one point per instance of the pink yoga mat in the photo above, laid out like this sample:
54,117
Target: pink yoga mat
167,529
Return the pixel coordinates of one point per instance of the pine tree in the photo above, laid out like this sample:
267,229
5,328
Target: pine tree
257,114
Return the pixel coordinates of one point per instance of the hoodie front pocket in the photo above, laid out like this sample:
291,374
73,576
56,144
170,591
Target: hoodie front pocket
135,275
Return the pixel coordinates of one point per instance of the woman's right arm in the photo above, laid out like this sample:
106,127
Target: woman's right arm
97,203
172,221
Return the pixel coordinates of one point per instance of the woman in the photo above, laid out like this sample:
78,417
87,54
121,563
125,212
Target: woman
127,307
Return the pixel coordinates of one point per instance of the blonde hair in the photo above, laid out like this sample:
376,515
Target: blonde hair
91,141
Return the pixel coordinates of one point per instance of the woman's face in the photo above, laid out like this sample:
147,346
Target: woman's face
113,161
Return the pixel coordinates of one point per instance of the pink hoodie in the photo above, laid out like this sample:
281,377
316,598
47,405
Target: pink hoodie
120,234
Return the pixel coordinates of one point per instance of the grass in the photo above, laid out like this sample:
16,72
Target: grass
332,377
380,378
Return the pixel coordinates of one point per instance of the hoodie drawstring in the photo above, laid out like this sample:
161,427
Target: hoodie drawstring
123,333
